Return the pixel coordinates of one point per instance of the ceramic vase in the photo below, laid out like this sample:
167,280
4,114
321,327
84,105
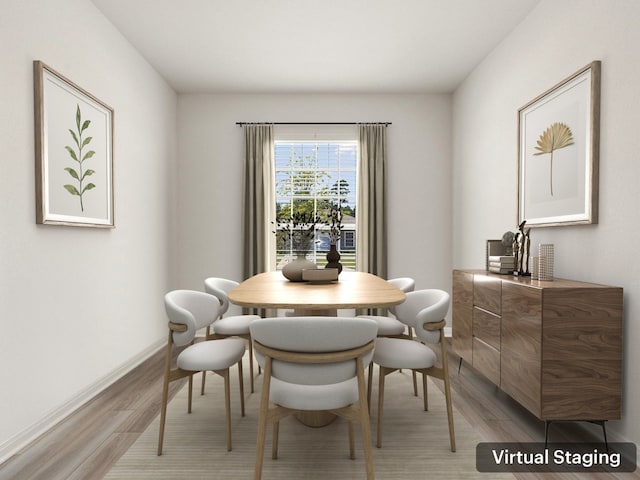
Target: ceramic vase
293,270
333,258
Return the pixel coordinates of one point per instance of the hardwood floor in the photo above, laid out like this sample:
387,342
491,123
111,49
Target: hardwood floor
89,442
86,444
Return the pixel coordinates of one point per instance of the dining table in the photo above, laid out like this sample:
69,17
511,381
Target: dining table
359,290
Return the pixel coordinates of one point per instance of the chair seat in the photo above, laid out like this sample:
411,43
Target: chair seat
403,353
386,325
211,355
314,397
236,325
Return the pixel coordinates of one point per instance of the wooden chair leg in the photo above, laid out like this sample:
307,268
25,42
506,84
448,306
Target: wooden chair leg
413,373
165,396
262,421
204,373
352,443
380,405
369,385
364,422
424,392
447,390
415,383
204,379
190,393
452,435
227,405
251,363
241,382
163,415
274,441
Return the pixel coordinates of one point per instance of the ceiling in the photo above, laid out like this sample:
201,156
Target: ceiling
364,46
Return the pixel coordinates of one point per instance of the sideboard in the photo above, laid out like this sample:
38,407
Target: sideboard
553,346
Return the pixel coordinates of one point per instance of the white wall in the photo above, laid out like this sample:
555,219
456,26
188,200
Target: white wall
78,305
210,176
555,40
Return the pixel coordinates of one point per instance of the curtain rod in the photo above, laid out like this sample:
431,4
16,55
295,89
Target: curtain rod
312,123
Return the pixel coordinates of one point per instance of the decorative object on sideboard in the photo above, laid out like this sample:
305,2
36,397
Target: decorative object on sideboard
535,267
502,264
495,248
521,250
508,238
558,152
545,261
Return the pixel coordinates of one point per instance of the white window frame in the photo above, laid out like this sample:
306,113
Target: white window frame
317,134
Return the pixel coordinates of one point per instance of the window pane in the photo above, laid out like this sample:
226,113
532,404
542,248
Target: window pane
310,178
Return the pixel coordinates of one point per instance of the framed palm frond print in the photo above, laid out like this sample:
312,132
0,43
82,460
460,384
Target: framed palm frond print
558,152
74,153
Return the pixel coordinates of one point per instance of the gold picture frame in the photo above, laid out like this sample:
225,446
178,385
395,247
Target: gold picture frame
74,153
558,152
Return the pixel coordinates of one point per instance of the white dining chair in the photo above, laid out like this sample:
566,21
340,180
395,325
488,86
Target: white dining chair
389,325
188,312
231,326
428,309
313,364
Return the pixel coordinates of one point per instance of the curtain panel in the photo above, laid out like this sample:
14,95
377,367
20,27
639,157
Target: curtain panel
372,216
258,201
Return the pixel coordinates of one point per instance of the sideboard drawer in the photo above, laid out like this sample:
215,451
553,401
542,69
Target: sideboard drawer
487,293
486,360
486,326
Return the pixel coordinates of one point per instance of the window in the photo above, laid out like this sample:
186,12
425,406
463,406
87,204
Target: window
310,177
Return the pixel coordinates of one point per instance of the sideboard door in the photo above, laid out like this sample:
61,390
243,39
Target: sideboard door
521,348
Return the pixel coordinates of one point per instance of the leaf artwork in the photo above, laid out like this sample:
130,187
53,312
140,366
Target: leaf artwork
555,137
79,156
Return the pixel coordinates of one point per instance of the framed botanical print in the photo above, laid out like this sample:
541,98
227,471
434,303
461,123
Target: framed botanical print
74,153
558,146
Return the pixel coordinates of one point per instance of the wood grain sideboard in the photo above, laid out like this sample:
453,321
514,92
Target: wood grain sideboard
553,346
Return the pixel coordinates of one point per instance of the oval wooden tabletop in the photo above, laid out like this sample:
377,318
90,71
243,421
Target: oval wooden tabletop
352,290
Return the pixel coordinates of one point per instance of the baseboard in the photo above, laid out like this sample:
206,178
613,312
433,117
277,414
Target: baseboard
24,438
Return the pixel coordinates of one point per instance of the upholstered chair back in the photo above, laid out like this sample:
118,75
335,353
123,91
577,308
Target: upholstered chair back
220,287
193,309
424,306
313,335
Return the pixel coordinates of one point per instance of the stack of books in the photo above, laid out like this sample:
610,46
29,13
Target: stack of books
504,264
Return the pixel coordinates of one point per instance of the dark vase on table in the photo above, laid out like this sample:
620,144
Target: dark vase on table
333,258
